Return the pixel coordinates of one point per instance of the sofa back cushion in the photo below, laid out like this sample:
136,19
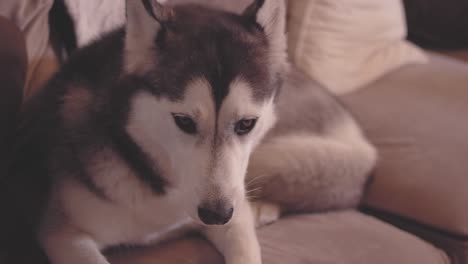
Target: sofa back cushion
346,44
31,17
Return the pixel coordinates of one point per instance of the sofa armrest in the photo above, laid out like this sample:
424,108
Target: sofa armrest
417,117
12,76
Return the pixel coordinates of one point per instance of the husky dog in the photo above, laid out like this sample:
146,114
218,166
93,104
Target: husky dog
150,130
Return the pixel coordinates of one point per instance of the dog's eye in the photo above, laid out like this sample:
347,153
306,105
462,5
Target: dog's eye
185,123
244,126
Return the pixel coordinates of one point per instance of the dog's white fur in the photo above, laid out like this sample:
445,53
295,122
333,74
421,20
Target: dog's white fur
79,224
314,172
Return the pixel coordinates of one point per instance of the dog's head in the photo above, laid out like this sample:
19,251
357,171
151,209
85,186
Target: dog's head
211,81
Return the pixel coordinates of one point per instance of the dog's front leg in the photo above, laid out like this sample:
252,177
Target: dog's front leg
71,246
237,240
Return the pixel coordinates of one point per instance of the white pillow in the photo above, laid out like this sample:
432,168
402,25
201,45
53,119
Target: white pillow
32,18
94,18
346,44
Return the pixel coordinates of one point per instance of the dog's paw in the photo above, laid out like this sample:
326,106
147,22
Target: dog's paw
265,213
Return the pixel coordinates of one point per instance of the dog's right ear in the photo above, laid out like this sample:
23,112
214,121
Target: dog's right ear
271,16
145,20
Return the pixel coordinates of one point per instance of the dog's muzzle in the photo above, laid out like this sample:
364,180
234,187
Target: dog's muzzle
217,214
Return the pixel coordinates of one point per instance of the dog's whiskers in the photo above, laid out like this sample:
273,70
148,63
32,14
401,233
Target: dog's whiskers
253,190
253,197
255,179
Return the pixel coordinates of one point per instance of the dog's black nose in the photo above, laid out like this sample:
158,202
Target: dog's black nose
218,215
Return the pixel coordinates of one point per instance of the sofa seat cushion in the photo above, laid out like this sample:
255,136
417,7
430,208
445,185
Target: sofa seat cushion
341,237
417,118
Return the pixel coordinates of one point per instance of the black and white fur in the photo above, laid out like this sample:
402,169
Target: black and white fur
102,161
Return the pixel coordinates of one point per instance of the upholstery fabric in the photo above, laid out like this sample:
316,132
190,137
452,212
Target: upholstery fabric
94,18
342,237
416,116
32,18
347,44
232,6
455,246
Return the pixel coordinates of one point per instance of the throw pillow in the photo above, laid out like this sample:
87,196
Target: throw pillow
345,44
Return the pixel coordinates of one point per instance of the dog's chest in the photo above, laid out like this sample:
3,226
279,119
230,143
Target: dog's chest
151,226
112,224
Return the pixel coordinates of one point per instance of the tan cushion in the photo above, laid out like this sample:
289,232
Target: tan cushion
417,117
347,44
32,18
232,6
455,246
343,237
94,18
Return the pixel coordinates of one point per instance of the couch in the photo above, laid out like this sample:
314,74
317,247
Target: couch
415,208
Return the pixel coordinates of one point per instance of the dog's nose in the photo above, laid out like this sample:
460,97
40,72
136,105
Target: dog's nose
217,215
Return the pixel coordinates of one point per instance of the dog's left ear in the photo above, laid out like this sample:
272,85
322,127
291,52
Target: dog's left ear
250,13
145,20
271,16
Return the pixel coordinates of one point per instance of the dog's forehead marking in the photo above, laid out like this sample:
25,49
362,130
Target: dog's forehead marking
241,101
197,99
214,46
